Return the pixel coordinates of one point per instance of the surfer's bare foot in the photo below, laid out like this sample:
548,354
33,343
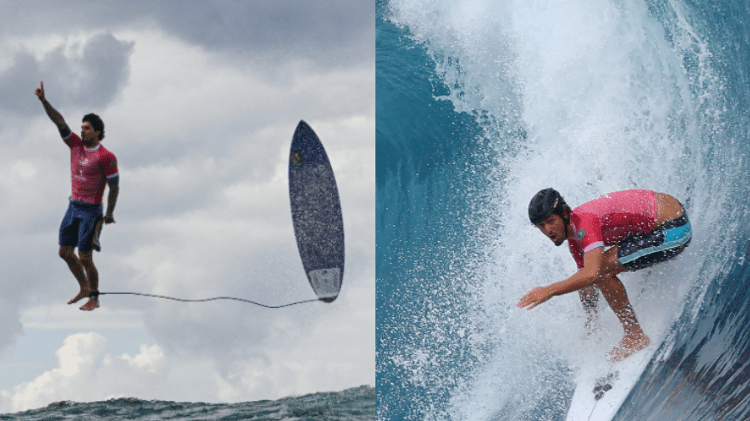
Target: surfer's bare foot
629,345
81,295
92,304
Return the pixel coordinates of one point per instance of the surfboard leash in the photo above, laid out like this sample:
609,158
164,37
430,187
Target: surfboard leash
96,294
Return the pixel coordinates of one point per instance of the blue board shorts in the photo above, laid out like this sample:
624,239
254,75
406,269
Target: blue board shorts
78,227
645,250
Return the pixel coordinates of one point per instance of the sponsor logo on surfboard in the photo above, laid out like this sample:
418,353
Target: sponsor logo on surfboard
295,159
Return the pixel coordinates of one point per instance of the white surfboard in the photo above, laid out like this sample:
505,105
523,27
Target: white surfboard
602,388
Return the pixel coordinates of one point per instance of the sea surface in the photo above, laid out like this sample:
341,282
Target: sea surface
357,404
482,103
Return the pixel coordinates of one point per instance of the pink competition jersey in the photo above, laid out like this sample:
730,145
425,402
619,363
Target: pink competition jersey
89,169
611,218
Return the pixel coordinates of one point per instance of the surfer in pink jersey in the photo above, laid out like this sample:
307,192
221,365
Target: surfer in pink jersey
92,168
617,232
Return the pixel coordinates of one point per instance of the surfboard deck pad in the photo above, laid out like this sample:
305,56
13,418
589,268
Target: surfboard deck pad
602,387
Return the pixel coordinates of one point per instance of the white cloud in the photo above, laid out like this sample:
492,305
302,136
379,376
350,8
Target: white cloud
325,356
85,373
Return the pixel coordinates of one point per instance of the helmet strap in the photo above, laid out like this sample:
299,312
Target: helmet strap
566,220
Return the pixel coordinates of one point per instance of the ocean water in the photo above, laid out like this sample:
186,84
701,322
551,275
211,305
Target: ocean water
357,404
482,103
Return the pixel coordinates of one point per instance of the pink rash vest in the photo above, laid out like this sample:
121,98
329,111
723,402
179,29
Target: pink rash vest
89,170
611,218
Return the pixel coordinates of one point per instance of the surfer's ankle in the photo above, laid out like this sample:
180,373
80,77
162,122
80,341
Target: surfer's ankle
628,346
636,339
83,293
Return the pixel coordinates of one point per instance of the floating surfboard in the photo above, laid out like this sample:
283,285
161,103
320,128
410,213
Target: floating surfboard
316,213
602,388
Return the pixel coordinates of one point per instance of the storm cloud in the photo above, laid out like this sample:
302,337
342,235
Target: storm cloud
85,74
329,33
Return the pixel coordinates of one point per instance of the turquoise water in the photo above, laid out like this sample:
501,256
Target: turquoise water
479,105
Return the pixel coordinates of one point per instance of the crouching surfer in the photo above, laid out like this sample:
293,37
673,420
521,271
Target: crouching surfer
640,227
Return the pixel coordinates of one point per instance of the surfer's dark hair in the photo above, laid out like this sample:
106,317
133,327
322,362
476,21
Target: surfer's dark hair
96,122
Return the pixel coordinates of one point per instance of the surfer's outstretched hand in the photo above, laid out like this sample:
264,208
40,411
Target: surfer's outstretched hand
537,296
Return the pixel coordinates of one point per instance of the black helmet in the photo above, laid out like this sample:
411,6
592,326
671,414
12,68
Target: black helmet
544,204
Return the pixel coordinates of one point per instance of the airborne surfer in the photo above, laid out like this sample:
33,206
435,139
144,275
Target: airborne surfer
641,227
92,166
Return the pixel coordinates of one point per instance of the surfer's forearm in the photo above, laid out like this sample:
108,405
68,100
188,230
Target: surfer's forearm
581,279
587,276
54,115
114,191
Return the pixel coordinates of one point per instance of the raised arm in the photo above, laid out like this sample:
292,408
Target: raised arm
53,114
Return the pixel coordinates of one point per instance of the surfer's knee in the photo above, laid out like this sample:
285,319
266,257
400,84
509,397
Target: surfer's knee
611,286
607,279
66,253
86,257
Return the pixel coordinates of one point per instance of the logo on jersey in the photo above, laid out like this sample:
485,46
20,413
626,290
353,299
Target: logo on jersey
580,234
80,175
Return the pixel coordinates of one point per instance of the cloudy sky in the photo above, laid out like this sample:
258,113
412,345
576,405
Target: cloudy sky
200,100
